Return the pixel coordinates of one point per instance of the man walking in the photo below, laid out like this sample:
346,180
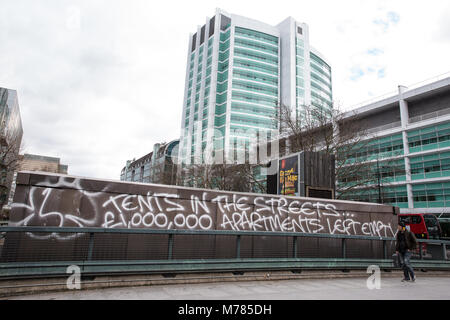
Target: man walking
406,241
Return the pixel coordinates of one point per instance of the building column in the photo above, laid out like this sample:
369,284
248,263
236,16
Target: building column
404,118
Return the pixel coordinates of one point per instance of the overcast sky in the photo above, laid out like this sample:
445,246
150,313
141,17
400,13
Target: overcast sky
100,82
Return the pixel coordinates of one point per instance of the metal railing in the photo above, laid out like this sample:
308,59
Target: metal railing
348,251
388,126
391,94
428,81
431,115
394,94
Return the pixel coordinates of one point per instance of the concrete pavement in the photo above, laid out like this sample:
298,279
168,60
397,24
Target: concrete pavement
431,287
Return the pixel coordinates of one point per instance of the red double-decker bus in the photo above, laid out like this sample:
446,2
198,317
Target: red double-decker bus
423,225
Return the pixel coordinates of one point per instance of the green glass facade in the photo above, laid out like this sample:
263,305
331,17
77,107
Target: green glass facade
393,195
254,85
321,96
431,195
429,162
429,138
300,75
380,148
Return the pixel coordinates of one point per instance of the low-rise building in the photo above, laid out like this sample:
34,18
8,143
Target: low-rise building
34,162
410,131
158,166
406,142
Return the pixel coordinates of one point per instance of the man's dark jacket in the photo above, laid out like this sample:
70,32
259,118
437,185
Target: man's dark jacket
410,240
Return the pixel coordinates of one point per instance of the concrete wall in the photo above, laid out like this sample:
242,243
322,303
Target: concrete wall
380,119
429,104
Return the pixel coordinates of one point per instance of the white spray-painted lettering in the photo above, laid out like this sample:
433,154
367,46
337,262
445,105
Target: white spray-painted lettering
205,211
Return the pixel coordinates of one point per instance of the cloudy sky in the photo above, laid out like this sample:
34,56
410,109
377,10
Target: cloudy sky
100,82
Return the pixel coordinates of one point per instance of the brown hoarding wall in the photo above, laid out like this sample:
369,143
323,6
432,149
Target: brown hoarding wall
68,201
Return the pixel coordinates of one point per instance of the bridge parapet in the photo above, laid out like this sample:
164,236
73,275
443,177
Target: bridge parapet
53,200
68,201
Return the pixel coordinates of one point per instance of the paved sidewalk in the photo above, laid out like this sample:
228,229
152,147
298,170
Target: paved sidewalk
434,288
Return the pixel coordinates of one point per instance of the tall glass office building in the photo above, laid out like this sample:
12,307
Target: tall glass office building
11,133
239,71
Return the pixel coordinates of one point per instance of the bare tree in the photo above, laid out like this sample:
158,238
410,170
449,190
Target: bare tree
239,177
10,145
249,174
333,132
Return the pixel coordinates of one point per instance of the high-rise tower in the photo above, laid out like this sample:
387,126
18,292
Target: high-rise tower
239,71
